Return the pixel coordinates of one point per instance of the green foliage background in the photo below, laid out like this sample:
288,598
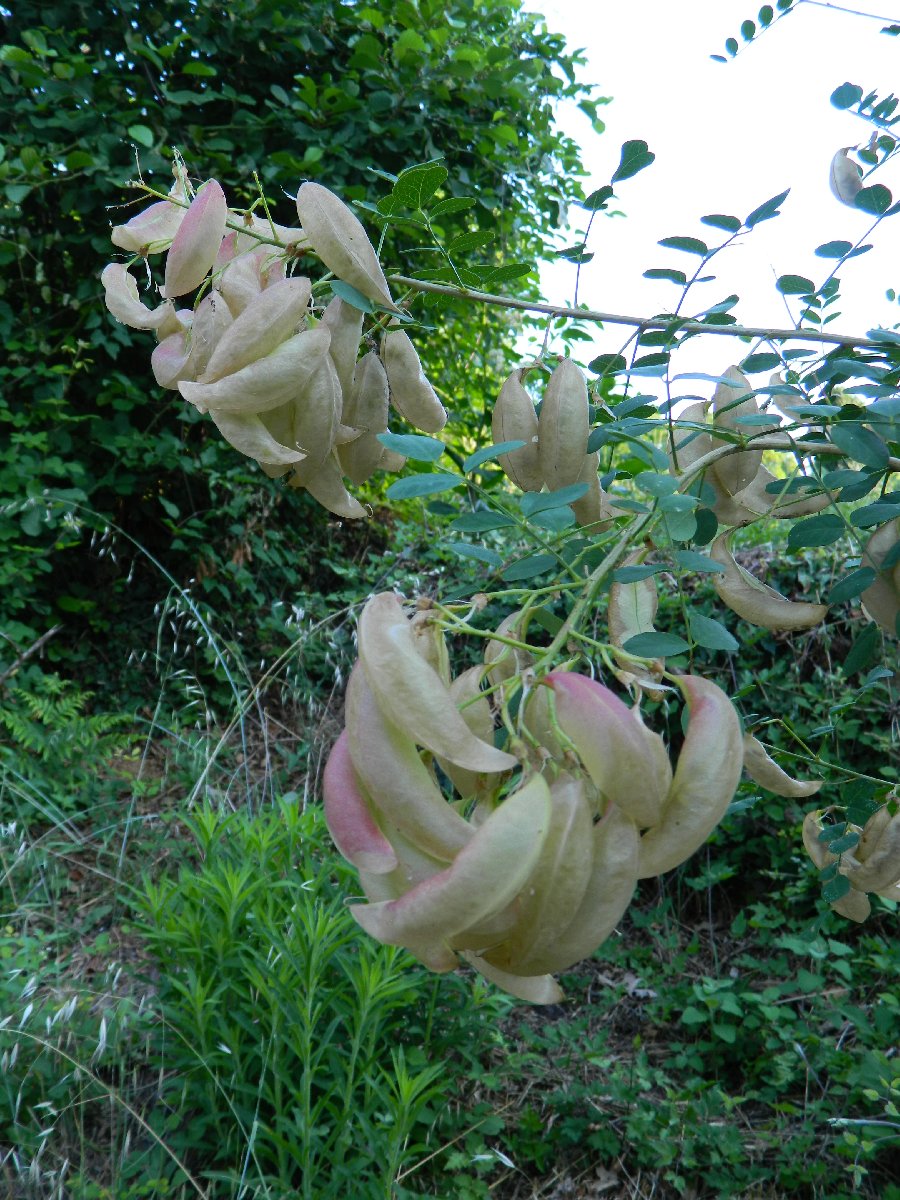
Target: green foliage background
294,91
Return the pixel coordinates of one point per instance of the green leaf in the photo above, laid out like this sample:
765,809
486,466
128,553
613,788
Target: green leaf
422,485
766,211
204,70
607,364
554,519
874,514
656,485
690,245
722,221
547,620
351,296
795,285
835,889
731,45
861,444
766,13
692,561
481,522
748,30
488,453
533,502
481,553
834,249
470,241
712,634
668,274
760,362
142,134
527,568
846,95
635,156
636,573
415,186
656,645
823,530
597,200
876,199
32,521
678,503
863,650
452,205
509,271
413,445
707,526
842,844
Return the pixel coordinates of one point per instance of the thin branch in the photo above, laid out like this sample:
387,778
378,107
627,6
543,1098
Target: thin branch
658,322
26,654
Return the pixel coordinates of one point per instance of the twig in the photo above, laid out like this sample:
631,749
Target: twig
26,654
658,322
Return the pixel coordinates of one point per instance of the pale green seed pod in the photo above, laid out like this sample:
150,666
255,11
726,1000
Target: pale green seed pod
563,426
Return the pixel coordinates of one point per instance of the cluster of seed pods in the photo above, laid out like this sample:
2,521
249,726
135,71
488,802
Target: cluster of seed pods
281,380
519,863
871,865
555,454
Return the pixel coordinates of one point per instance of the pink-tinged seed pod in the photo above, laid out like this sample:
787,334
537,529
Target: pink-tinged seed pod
413,693
556,889
411,393
340,241
349,817
514,420
706,777
169,359
394,776
247,433
483,879
267,383
563,426
845,178
197,242
756,602
122,300
730,401
626,762
766,772
150,231
271,318
610,886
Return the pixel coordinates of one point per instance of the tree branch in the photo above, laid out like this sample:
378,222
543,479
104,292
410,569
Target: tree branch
657,322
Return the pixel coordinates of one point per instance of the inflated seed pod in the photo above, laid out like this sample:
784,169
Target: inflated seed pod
845,178
366,409
514,420
269,319
706,777
411,393
340,241
563,426
881,600
547,906
195,245
766,772
730,401
475,709
413,693
483,879
855,904
344,323
266,383
325,483
756,602
613,845
504,661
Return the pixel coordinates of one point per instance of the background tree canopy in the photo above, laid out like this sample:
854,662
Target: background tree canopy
335,93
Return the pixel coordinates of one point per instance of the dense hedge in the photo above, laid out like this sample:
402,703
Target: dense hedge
313,90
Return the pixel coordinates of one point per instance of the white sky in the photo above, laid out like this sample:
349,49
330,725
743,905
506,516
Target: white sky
726,138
